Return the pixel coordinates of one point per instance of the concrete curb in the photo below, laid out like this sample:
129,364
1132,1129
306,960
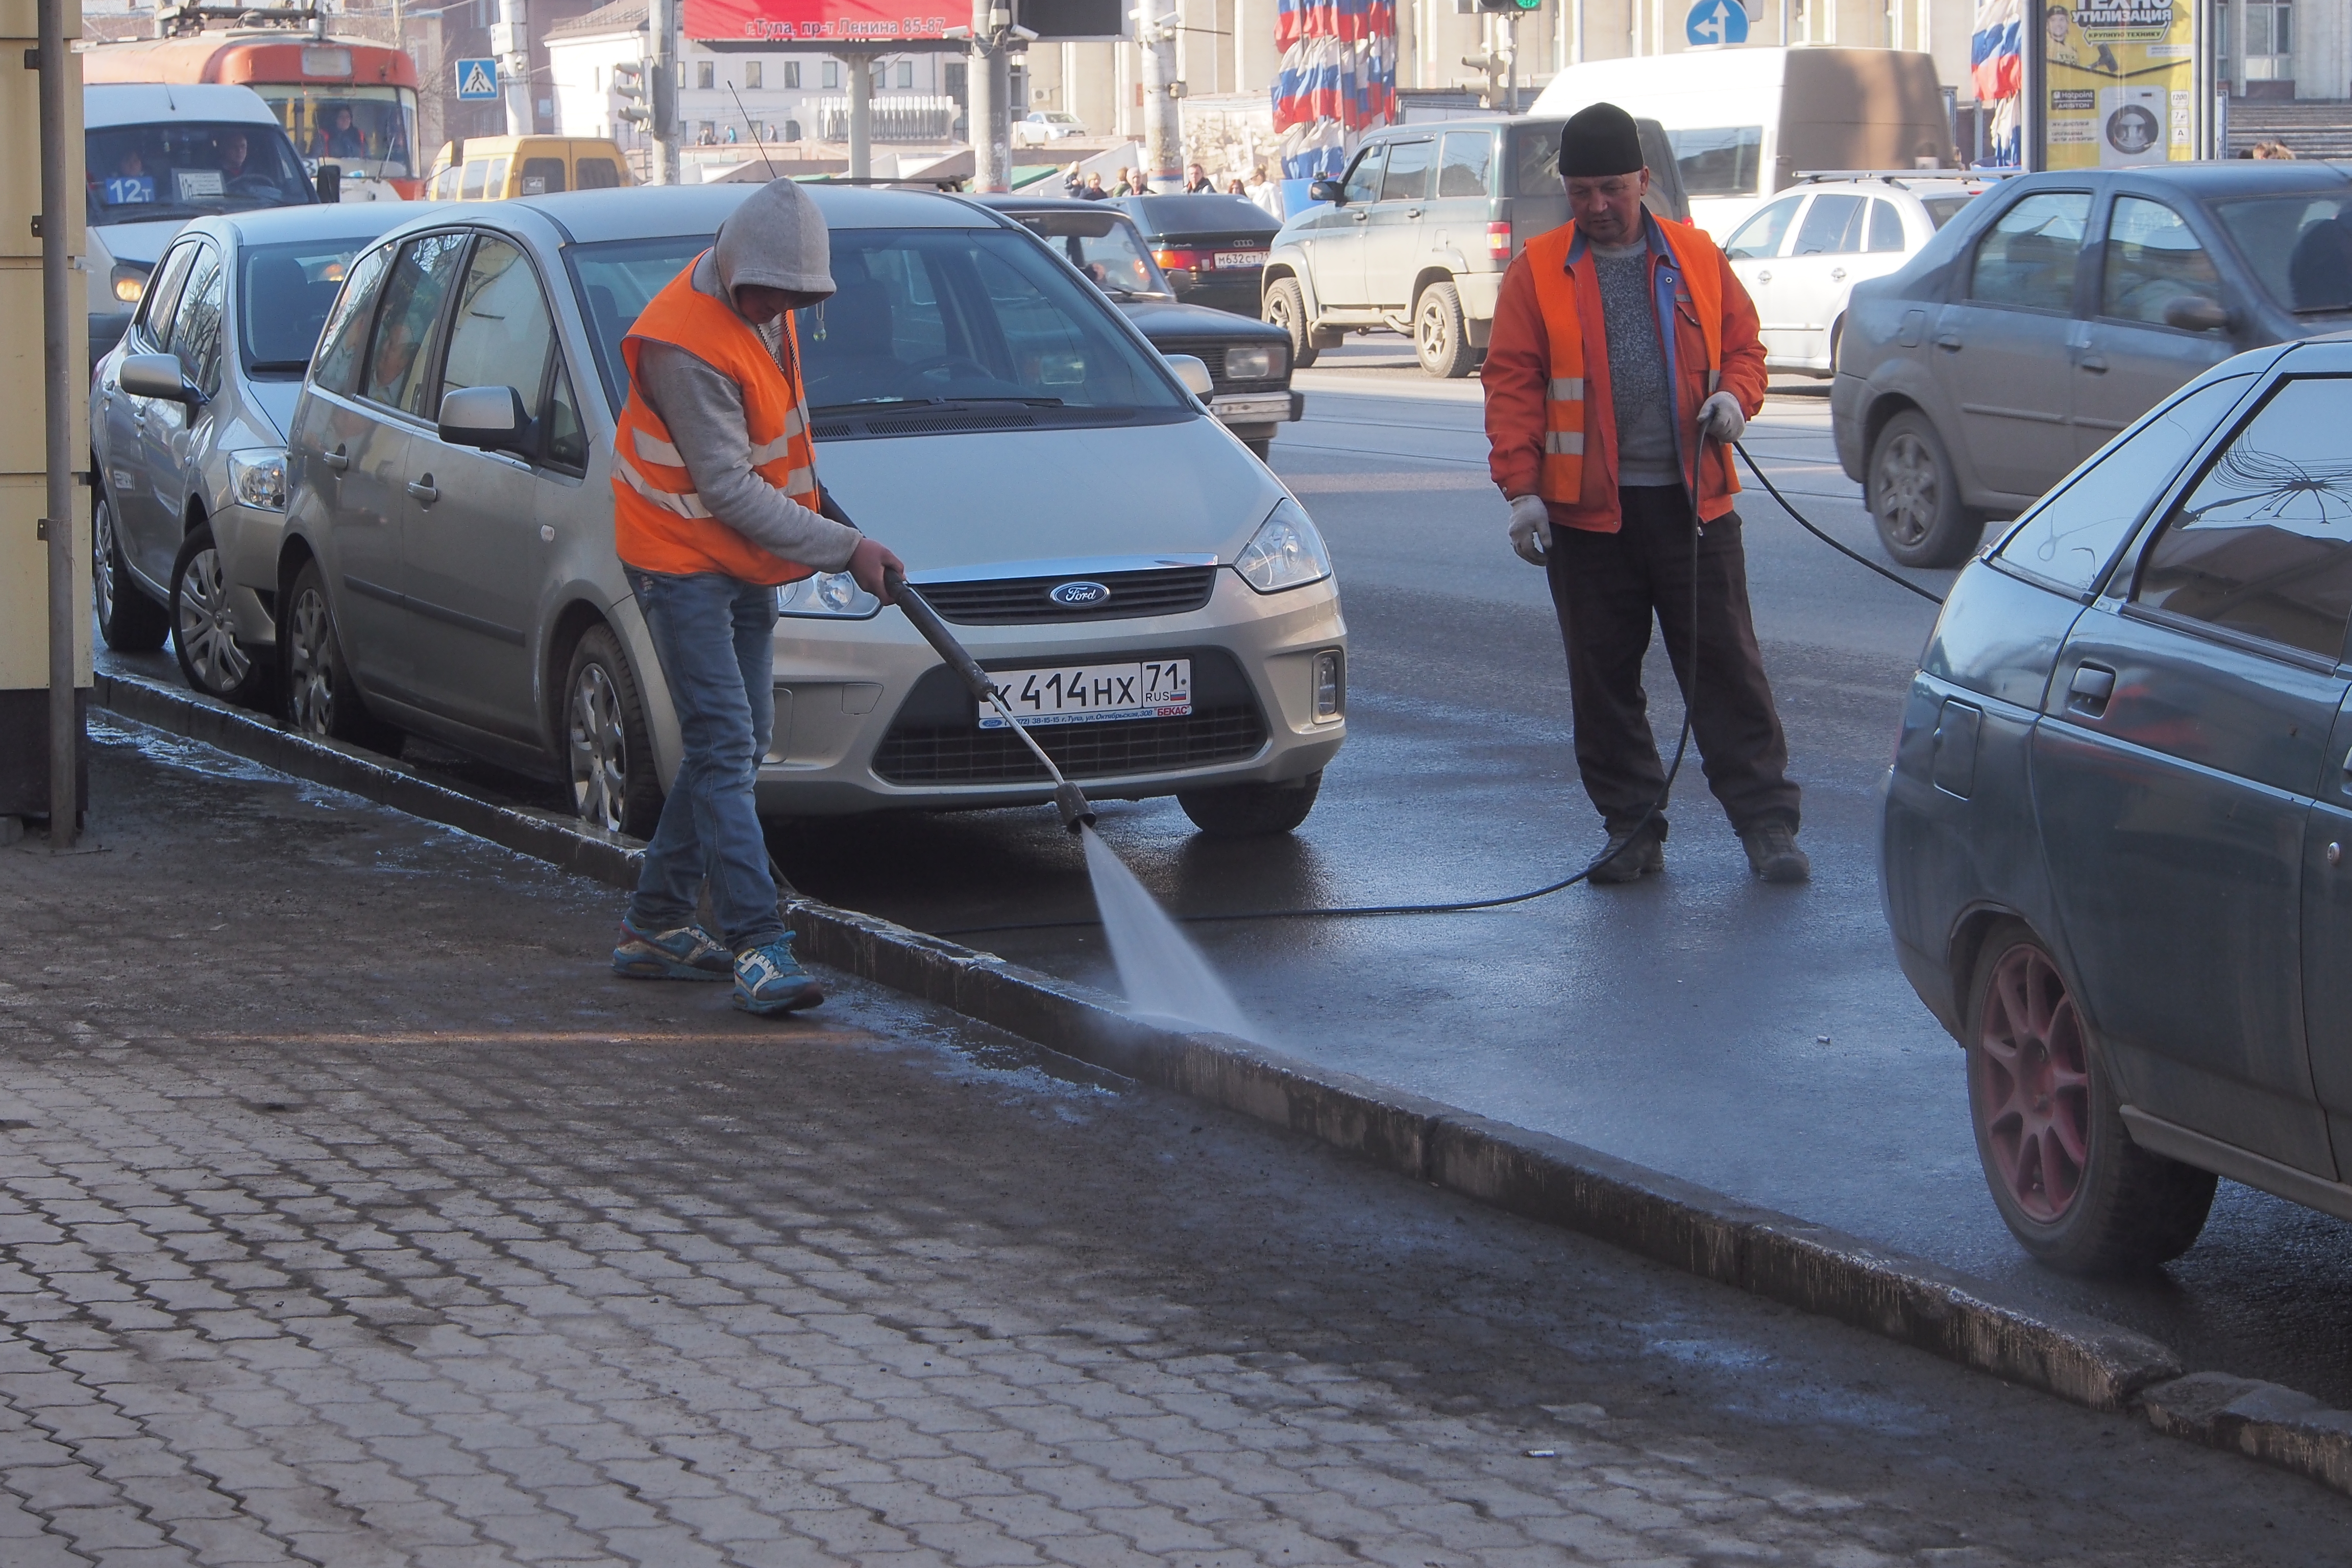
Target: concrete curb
1810,1267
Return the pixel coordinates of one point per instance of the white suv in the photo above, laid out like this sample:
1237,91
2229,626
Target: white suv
1800,254
1044,125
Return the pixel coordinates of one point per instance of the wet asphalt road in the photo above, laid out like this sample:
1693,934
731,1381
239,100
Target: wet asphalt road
1759,1040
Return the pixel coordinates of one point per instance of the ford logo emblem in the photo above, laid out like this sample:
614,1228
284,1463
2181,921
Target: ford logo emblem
1072,595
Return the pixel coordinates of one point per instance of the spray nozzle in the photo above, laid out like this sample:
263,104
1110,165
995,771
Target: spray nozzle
1071,802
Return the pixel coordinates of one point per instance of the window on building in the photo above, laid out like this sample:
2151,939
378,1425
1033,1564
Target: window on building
706,73
832,75
906,78
791,73
752,75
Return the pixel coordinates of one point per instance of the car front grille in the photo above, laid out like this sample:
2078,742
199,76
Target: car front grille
1020,600
966,754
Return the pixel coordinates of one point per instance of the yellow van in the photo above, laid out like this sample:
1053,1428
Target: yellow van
493,168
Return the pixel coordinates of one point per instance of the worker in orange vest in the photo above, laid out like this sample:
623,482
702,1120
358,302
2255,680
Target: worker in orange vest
1624,362
714,505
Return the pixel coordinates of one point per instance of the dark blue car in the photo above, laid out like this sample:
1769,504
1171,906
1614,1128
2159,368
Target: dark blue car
2116,826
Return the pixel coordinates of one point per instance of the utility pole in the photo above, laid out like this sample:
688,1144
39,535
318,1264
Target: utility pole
1164,120
57,230
861,114
510,41
662,66
989,77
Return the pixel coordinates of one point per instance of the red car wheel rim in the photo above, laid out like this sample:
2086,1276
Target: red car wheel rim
2033,1085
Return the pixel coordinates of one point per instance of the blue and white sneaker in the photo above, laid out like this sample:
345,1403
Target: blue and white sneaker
770,980
686,953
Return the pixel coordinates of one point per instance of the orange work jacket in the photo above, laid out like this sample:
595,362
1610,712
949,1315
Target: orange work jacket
1550,425
659,523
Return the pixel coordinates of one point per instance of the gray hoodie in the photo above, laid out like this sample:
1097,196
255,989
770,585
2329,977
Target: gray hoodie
775,240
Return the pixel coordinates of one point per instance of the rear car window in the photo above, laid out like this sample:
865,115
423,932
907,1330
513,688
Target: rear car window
2029,255
598,173
2069,539
542,176
1462,166
2300,247
1885,226
2263,544
1173,217
1720,161
1942,210
284,293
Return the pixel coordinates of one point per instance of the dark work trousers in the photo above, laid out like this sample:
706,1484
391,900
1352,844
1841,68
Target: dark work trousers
1607,587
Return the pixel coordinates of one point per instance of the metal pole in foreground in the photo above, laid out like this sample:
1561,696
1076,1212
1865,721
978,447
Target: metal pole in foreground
57,384
861,115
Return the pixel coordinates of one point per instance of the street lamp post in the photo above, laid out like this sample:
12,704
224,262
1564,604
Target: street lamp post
1163,121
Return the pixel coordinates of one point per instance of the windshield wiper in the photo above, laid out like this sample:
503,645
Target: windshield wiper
872,403
2336,309
278,367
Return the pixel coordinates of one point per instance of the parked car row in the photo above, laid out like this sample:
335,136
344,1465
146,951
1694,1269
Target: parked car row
405,558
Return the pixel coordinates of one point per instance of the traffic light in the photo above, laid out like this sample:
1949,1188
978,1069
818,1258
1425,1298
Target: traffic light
1510,7
629,82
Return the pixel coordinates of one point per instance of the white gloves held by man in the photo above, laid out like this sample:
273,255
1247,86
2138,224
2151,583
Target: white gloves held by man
1719,416
1530,529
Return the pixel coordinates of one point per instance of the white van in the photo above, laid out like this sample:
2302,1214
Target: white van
1746,122
159,156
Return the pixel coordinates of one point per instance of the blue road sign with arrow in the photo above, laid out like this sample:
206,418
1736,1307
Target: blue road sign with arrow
1710,22
477,80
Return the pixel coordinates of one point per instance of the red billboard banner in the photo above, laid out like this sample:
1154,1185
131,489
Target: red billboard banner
840,22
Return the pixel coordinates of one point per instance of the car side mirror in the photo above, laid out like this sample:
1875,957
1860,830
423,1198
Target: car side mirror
2195,313
158,376
1328,189
330,182
490,417
1193,371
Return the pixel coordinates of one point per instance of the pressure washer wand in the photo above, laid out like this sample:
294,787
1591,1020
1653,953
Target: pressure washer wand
1068,798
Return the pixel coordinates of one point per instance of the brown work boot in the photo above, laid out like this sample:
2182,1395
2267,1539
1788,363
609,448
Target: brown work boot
1773,855
1631,852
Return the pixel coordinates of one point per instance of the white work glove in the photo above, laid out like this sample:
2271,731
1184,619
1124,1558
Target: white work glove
1530,529
1719,416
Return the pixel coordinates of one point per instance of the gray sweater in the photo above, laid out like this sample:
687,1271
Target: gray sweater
1638,391
703,408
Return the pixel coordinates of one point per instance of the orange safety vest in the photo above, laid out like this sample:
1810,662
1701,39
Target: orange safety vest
1698,267
659,523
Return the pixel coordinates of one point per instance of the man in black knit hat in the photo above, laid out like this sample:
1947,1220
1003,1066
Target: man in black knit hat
1624,360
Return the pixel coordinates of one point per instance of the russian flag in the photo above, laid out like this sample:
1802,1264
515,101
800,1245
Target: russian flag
1995,65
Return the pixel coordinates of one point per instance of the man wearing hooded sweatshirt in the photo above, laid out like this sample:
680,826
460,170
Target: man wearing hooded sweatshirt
715,504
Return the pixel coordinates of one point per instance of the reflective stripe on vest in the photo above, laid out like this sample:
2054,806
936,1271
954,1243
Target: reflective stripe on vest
660,522
1699,275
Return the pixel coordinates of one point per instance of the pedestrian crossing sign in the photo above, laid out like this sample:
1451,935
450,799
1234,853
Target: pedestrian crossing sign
477,80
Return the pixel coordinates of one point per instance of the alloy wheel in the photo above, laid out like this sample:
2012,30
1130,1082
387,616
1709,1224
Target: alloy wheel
2034,1087
1429,330
600,750
1906,488
101,560
310,666
206,639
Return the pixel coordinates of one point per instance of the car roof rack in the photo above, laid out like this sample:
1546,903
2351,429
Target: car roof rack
1896,176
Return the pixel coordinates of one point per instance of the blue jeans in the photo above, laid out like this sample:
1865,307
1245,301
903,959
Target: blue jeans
714,636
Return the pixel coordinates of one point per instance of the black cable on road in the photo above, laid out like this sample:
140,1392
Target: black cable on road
1466,906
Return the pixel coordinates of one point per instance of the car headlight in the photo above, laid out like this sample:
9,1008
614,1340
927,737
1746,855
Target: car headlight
257,478
834,595
1260,362
1285,552
128,281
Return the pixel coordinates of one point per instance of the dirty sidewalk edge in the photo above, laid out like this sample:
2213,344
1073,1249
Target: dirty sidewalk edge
1810,1267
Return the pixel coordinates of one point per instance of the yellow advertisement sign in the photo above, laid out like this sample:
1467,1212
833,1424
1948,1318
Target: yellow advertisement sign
2120,76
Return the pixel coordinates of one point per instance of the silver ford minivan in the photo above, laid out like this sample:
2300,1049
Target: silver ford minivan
1161,609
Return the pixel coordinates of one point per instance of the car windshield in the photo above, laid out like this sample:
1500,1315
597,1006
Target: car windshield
368,131
1105,247
283,295
1174,217
922,315
2299,246
183,169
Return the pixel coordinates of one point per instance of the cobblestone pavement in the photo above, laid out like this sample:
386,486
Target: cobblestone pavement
351,1215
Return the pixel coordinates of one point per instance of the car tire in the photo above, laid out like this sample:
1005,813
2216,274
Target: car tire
608,749
1286,307
2070,1185
211,658
322,700
1440,336
128,619
1913,496
1252,810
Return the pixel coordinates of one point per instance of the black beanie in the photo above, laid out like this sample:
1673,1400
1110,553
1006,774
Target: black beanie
1598,140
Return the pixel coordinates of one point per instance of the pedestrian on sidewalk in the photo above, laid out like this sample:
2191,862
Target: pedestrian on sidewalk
1624,363
716,503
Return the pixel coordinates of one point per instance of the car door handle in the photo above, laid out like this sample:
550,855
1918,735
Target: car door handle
2093,363
423,489
1837,274
2092,687
1948,341
338,460
1412,212
1360,215
1763,277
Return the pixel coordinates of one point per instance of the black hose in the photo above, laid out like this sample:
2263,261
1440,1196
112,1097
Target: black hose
1464,906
